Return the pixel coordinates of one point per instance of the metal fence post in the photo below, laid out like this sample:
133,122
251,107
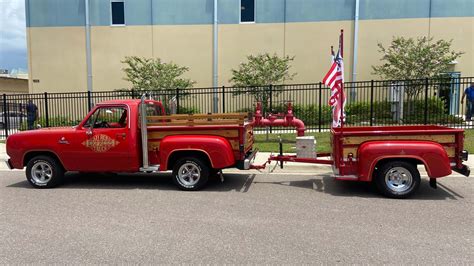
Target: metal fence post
133,93
320,88
177,100
89,100
223,99
46,111
271,103
5,119
371,102
426,100
271,98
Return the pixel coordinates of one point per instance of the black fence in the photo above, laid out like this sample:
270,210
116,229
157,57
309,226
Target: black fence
369,103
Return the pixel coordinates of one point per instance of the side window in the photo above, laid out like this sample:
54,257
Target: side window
247,11
117,9
108,117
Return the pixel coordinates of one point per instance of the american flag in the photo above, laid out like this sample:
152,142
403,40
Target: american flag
334,79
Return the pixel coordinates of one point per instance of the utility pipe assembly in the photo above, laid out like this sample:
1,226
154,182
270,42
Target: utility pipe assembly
286,120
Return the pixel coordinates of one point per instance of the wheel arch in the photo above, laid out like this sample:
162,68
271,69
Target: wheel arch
177,154
31,154
431,154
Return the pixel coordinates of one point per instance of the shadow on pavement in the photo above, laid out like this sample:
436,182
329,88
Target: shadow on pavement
161,181
241,183
329,185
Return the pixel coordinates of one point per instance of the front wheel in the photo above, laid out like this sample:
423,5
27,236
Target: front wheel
44,172
190,173
397,179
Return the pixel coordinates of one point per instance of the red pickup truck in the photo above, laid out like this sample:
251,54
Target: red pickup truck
116,137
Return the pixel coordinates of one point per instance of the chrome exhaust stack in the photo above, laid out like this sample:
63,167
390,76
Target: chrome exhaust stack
144,136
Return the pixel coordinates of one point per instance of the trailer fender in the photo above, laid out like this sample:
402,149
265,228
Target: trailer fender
431,154
217,149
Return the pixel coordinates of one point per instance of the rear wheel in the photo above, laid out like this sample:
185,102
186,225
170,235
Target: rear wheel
44,172
190,173
397,179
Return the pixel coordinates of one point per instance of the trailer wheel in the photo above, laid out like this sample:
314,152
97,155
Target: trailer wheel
190,173
397,179
44,172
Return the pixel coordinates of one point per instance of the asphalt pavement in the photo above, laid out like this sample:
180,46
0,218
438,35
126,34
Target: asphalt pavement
297,215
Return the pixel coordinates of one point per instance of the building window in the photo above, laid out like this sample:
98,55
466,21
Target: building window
247,11
118,12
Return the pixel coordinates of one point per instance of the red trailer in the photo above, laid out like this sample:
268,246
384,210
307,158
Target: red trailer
389,156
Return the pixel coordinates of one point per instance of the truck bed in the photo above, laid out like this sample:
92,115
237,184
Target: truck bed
232,127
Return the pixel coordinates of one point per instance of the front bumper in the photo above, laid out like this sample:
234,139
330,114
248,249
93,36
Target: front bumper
9,164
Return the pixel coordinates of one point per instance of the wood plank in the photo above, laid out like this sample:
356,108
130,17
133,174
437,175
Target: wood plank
199,122
436,138
198,116
227,133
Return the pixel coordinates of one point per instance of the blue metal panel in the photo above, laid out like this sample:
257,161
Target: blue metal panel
99,12
137,12
319,10
452,8
47,13
270,11
229,11
182,12
394,9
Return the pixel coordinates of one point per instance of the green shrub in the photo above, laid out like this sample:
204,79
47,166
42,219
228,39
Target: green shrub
188,110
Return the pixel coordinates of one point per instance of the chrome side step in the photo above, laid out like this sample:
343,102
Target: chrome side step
150,169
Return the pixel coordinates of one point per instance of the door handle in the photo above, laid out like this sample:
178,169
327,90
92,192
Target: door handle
122,135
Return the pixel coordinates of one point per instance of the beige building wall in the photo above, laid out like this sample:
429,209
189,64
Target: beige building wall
461,31
110,45
186,45
57,59
9,85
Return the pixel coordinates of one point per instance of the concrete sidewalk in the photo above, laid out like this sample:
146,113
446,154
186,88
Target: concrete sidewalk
289,167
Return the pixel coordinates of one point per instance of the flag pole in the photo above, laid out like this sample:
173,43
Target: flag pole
341,44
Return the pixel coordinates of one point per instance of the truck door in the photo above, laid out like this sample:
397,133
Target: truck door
103,142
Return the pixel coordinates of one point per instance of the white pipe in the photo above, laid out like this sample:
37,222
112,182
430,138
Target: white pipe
355,46
88,47
215,60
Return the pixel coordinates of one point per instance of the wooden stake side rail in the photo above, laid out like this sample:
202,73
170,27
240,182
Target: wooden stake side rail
197,119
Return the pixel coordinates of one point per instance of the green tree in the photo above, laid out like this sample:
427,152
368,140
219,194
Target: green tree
255,76
415,59
153,75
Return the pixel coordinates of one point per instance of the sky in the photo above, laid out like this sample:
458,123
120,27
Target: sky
13,54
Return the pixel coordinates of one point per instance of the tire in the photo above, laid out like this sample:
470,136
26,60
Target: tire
190,174
397,179
44,172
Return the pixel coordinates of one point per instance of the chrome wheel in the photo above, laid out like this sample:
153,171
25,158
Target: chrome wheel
189,174
41,172
398,179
